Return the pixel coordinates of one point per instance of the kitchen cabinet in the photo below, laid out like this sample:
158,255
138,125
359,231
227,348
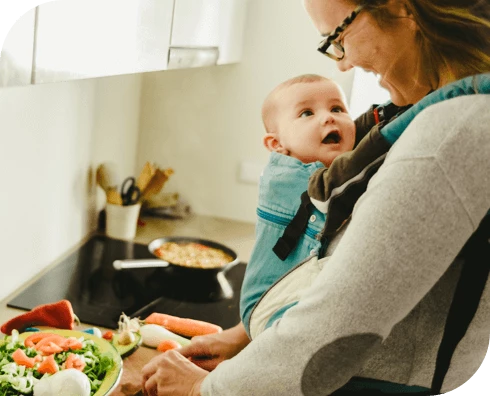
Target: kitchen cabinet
16,57
110,37
212,30
92,38
78,39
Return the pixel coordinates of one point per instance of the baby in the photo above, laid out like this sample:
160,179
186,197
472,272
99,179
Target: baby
306,118
307,126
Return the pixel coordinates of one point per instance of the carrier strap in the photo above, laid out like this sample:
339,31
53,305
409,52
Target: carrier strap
295,229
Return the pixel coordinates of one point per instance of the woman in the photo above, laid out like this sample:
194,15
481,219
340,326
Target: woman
373,319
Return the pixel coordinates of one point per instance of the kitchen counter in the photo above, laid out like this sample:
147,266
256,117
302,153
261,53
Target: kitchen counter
237,235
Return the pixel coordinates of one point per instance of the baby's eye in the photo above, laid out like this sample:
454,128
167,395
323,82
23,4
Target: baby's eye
338,109
306,113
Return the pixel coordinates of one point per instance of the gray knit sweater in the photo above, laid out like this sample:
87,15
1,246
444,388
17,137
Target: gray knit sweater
378,307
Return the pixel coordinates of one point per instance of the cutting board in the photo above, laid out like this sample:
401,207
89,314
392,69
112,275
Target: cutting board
130,383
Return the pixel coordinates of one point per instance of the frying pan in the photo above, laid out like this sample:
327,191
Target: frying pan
158,262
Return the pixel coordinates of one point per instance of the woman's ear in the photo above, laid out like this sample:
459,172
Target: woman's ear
271,143
400,8
403,10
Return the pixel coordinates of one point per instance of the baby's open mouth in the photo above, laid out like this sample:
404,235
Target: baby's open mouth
332,138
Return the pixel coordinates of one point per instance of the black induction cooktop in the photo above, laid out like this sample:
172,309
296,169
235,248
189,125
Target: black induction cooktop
99,293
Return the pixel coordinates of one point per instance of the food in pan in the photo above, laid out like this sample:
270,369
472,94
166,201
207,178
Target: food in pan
193,255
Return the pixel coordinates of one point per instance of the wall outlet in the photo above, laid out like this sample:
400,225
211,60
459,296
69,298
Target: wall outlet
250,171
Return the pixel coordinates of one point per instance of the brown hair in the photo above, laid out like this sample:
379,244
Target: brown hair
454,35
269,103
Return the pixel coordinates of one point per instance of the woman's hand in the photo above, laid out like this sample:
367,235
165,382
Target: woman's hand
210,350
171,374
176,372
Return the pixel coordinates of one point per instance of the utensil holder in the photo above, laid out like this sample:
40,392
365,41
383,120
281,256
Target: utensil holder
122,221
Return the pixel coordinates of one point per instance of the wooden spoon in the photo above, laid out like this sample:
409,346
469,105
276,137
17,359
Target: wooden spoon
145,176
157,181
107,176
113,196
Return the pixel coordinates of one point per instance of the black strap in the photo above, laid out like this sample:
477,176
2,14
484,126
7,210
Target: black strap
294,230
472,281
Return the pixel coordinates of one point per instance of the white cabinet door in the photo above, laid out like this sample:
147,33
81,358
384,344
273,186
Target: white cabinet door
231,30
196,23
16,57
93,38
209,24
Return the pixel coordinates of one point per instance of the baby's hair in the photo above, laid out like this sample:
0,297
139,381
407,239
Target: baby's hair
304,78
269,102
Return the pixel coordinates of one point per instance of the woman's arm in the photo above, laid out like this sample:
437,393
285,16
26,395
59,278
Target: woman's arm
405,231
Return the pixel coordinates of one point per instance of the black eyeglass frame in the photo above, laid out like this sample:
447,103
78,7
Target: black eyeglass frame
330,39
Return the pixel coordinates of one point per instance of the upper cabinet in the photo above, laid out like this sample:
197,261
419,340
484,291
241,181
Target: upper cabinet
77,39
16,58
207,31
94,38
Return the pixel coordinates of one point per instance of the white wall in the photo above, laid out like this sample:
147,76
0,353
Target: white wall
52,138
204,122
363,83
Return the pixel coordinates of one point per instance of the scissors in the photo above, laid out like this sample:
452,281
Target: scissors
130,193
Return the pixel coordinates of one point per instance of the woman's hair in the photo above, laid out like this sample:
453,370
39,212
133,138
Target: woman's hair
453,34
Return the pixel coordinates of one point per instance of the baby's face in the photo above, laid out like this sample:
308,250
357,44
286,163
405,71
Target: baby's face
313,123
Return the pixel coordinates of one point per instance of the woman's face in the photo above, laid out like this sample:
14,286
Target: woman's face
390,51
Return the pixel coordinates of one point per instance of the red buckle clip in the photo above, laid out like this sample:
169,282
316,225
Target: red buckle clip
376,115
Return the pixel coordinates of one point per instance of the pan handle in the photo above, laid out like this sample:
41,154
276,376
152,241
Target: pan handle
127,264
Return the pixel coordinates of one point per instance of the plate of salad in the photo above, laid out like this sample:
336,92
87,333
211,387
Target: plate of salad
49,361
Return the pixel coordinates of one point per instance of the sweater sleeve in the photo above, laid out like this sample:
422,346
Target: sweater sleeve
418,211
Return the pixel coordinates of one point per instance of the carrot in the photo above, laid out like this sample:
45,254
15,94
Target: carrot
49,349
59,314
108,335
48,365
22,359
54,338
72,343
166,345
184,326
73,361
33,339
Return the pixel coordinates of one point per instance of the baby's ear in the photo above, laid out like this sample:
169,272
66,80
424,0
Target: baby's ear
271,143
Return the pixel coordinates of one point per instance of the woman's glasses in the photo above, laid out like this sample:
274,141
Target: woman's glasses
331,48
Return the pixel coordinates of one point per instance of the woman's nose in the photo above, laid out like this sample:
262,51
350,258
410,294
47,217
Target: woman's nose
344,65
